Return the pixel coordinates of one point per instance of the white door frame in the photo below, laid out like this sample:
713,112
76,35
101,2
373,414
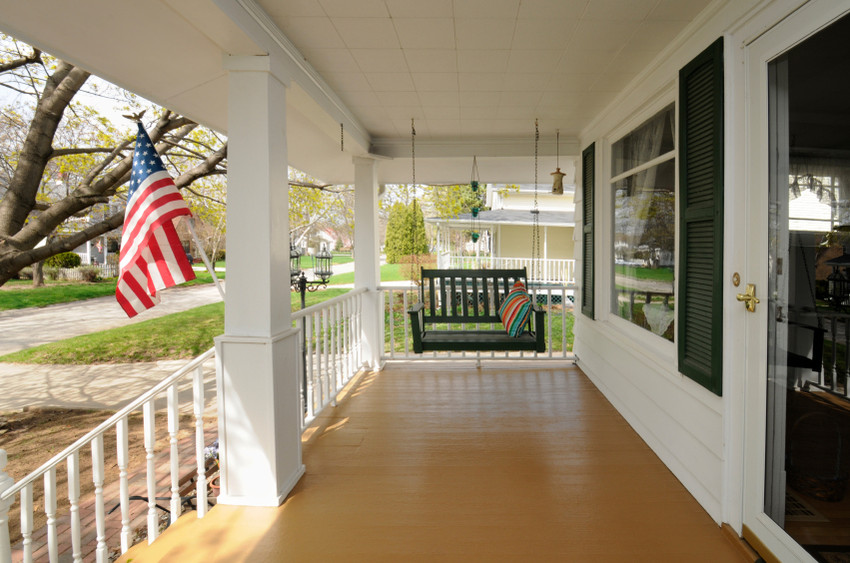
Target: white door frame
804,22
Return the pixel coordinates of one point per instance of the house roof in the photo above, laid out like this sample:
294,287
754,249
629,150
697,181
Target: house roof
509,217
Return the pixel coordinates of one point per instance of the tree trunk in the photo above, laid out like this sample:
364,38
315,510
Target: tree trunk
38,274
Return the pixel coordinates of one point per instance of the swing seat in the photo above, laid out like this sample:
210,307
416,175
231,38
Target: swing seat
448,298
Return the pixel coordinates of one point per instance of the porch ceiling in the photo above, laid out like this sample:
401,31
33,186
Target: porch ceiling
473,73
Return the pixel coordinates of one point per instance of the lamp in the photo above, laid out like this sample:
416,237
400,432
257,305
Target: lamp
294,264
557,175
323,268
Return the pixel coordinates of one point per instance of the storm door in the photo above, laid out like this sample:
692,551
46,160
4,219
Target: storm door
807,299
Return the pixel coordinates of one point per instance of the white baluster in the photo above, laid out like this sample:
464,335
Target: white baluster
311,382
6,482
564,322
326,350
404,303
198,404
324,389
549,321
173,427
391,296
50,512
335,340
74,500
26,521
101,554
150,440
122,445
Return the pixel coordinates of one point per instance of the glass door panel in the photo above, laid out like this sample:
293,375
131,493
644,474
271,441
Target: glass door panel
807,442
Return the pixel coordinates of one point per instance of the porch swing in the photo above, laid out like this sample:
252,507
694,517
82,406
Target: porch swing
478,297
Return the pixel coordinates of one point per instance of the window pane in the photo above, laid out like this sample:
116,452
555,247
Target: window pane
644,245
650,140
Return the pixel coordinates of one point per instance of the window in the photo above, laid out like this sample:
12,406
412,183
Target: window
643,181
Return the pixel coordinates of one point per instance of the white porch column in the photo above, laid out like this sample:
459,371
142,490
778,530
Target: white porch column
367,270
257,357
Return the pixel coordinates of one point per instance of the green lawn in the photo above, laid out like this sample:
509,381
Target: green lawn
177,336
399,316
389,272
660,274
21,294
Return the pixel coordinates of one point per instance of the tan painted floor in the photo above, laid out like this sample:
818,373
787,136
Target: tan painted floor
435,462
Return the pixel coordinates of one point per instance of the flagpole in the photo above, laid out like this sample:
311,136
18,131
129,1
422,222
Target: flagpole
204,257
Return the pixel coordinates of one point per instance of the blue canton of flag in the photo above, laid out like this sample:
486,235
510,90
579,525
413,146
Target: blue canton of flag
152,257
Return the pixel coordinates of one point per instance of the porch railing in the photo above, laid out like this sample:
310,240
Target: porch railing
332,350
549,271
559,326
184,391
832,336
333,353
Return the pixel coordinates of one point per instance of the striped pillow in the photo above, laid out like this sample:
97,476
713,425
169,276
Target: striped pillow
515,309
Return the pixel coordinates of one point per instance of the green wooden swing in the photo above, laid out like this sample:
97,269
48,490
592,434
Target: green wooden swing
452,297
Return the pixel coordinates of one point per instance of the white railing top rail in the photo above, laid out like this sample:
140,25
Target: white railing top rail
107,424
329,303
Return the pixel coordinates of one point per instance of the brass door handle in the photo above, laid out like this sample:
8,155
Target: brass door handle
749,298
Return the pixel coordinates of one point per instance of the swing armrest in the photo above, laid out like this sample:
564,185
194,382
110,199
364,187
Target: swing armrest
417,325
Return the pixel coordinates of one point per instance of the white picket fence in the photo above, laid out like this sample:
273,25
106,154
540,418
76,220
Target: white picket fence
539,269
76,274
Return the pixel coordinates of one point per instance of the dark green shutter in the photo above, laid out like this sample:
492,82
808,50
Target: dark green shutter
588,163
700,296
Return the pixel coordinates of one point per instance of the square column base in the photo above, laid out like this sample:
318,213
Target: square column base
259,418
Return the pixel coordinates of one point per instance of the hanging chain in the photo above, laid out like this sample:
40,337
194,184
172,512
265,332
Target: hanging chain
535,213
341,138
413,165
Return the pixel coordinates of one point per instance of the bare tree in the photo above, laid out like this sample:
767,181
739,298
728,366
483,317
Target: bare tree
30,209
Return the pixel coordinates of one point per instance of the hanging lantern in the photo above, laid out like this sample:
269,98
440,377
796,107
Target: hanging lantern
475,236
323,269
475,212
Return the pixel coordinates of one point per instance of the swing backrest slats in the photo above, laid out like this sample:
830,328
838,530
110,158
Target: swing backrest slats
466,296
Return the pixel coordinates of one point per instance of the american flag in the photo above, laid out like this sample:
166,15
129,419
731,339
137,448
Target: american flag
152,257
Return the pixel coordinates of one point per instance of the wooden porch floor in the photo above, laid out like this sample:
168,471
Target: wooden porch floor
445,462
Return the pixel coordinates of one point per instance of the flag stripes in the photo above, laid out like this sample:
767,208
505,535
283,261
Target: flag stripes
152,256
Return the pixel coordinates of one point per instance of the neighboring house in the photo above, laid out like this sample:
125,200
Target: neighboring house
688,118
507,230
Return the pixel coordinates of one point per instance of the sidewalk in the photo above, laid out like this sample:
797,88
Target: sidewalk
108,386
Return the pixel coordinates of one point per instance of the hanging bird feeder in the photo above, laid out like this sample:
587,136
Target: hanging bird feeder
557,175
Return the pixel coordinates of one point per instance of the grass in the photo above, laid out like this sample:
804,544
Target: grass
176,336
20,294
399,316
660,274
389,272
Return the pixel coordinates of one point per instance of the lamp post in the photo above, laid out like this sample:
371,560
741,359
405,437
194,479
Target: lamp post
322,272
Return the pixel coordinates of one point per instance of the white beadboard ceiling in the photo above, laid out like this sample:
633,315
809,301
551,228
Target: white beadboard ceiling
473,73
479,68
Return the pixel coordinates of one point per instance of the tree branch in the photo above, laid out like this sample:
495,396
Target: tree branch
214,200
84,150
35,57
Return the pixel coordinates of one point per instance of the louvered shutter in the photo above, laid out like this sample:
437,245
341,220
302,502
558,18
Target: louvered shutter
588,162
700,295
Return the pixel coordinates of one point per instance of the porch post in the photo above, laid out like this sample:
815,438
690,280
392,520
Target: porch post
257,357
367,271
